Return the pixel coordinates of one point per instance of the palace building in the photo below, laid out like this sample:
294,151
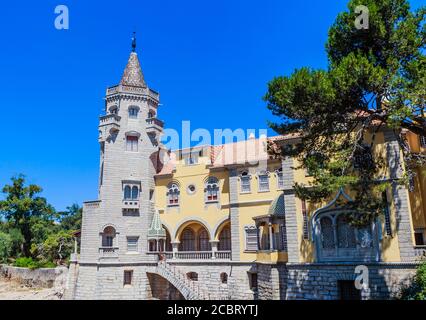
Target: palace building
223,221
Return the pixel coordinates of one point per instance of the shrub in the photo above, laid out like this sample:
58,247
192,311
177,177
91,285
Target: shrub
417,289
26,263
33,264
5,246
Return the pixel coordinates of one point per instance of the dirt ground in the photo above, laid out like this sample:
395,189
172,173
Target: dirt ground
10,290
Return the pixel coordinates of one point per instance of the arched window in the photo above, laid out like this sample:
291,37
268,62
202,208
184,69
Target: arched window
151,114
127,193
153,245
338,240
345,233
135,193
203,241
113,110
133,112
187,241
108,236
173,194
225,239
224,277
212,190
327,233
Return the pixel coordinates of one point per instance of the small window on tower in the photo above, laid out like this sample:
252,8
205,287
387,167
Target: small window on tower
133,112
132,143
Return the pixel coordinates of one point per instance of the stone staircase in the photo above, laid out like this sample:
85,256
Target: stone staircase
189,289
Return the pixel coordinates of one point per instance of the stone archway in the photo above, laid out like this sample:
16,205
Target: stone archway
162,289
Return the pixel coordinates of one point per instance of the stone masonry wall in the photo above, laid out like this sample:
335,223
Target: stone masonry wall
42,278
320,281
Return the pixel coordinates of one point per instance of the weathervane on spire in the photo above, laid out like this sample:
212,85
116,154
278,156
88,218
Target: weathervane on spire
134,42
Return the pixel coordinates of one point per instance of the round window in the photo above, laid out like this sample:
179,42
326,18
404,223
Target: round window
191,189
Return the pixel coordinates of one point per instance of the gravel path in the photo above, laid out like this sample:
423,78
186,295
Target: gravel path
10,290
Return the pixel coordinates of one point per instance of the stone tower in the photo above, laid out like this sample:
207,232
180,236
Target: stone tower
114,230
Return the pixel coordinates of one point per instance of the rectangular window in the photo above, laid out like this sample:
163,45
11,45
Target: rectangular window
107,241
128,277
191,159
419,238
263,183
132,143
305,221
251,239
423,141
245,184
386,213
253,281
280,180
132,244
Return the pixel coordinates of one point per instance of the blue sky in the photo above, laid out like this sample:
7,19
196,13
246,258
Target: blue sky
210,61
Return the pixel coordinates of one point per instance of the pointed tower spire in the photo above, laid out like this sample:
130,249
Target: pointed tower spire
156,230
133,75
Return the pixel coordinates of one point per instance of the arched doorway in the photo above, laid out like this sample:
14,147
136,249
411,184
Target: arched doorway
162,289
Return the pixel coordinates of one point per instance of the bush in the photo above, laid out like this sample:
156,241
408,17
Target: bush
417,289
33,264
25,263
5,246
57,247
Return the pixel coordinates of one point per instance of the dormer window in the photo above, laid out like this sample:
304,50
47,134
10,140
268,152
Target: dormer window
133,112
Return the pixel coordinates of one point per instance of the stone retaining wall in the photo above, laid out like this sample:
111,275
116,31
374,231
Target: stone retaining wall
40,278
321,281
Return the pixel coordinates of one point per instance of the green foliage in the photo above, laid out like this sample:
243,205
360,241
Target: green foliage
417,289
31,231
5,247
57,247
376,78
71,218
22,204
30,263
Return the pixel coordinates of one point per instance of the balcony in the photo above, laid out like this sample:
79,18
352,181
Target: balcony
420,251
130,204
110,122
196,255
154,125
108,252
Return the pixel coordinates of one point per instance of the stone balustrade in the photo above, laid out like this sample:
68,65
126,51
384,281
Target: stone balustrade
154,122
108,252
420,251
